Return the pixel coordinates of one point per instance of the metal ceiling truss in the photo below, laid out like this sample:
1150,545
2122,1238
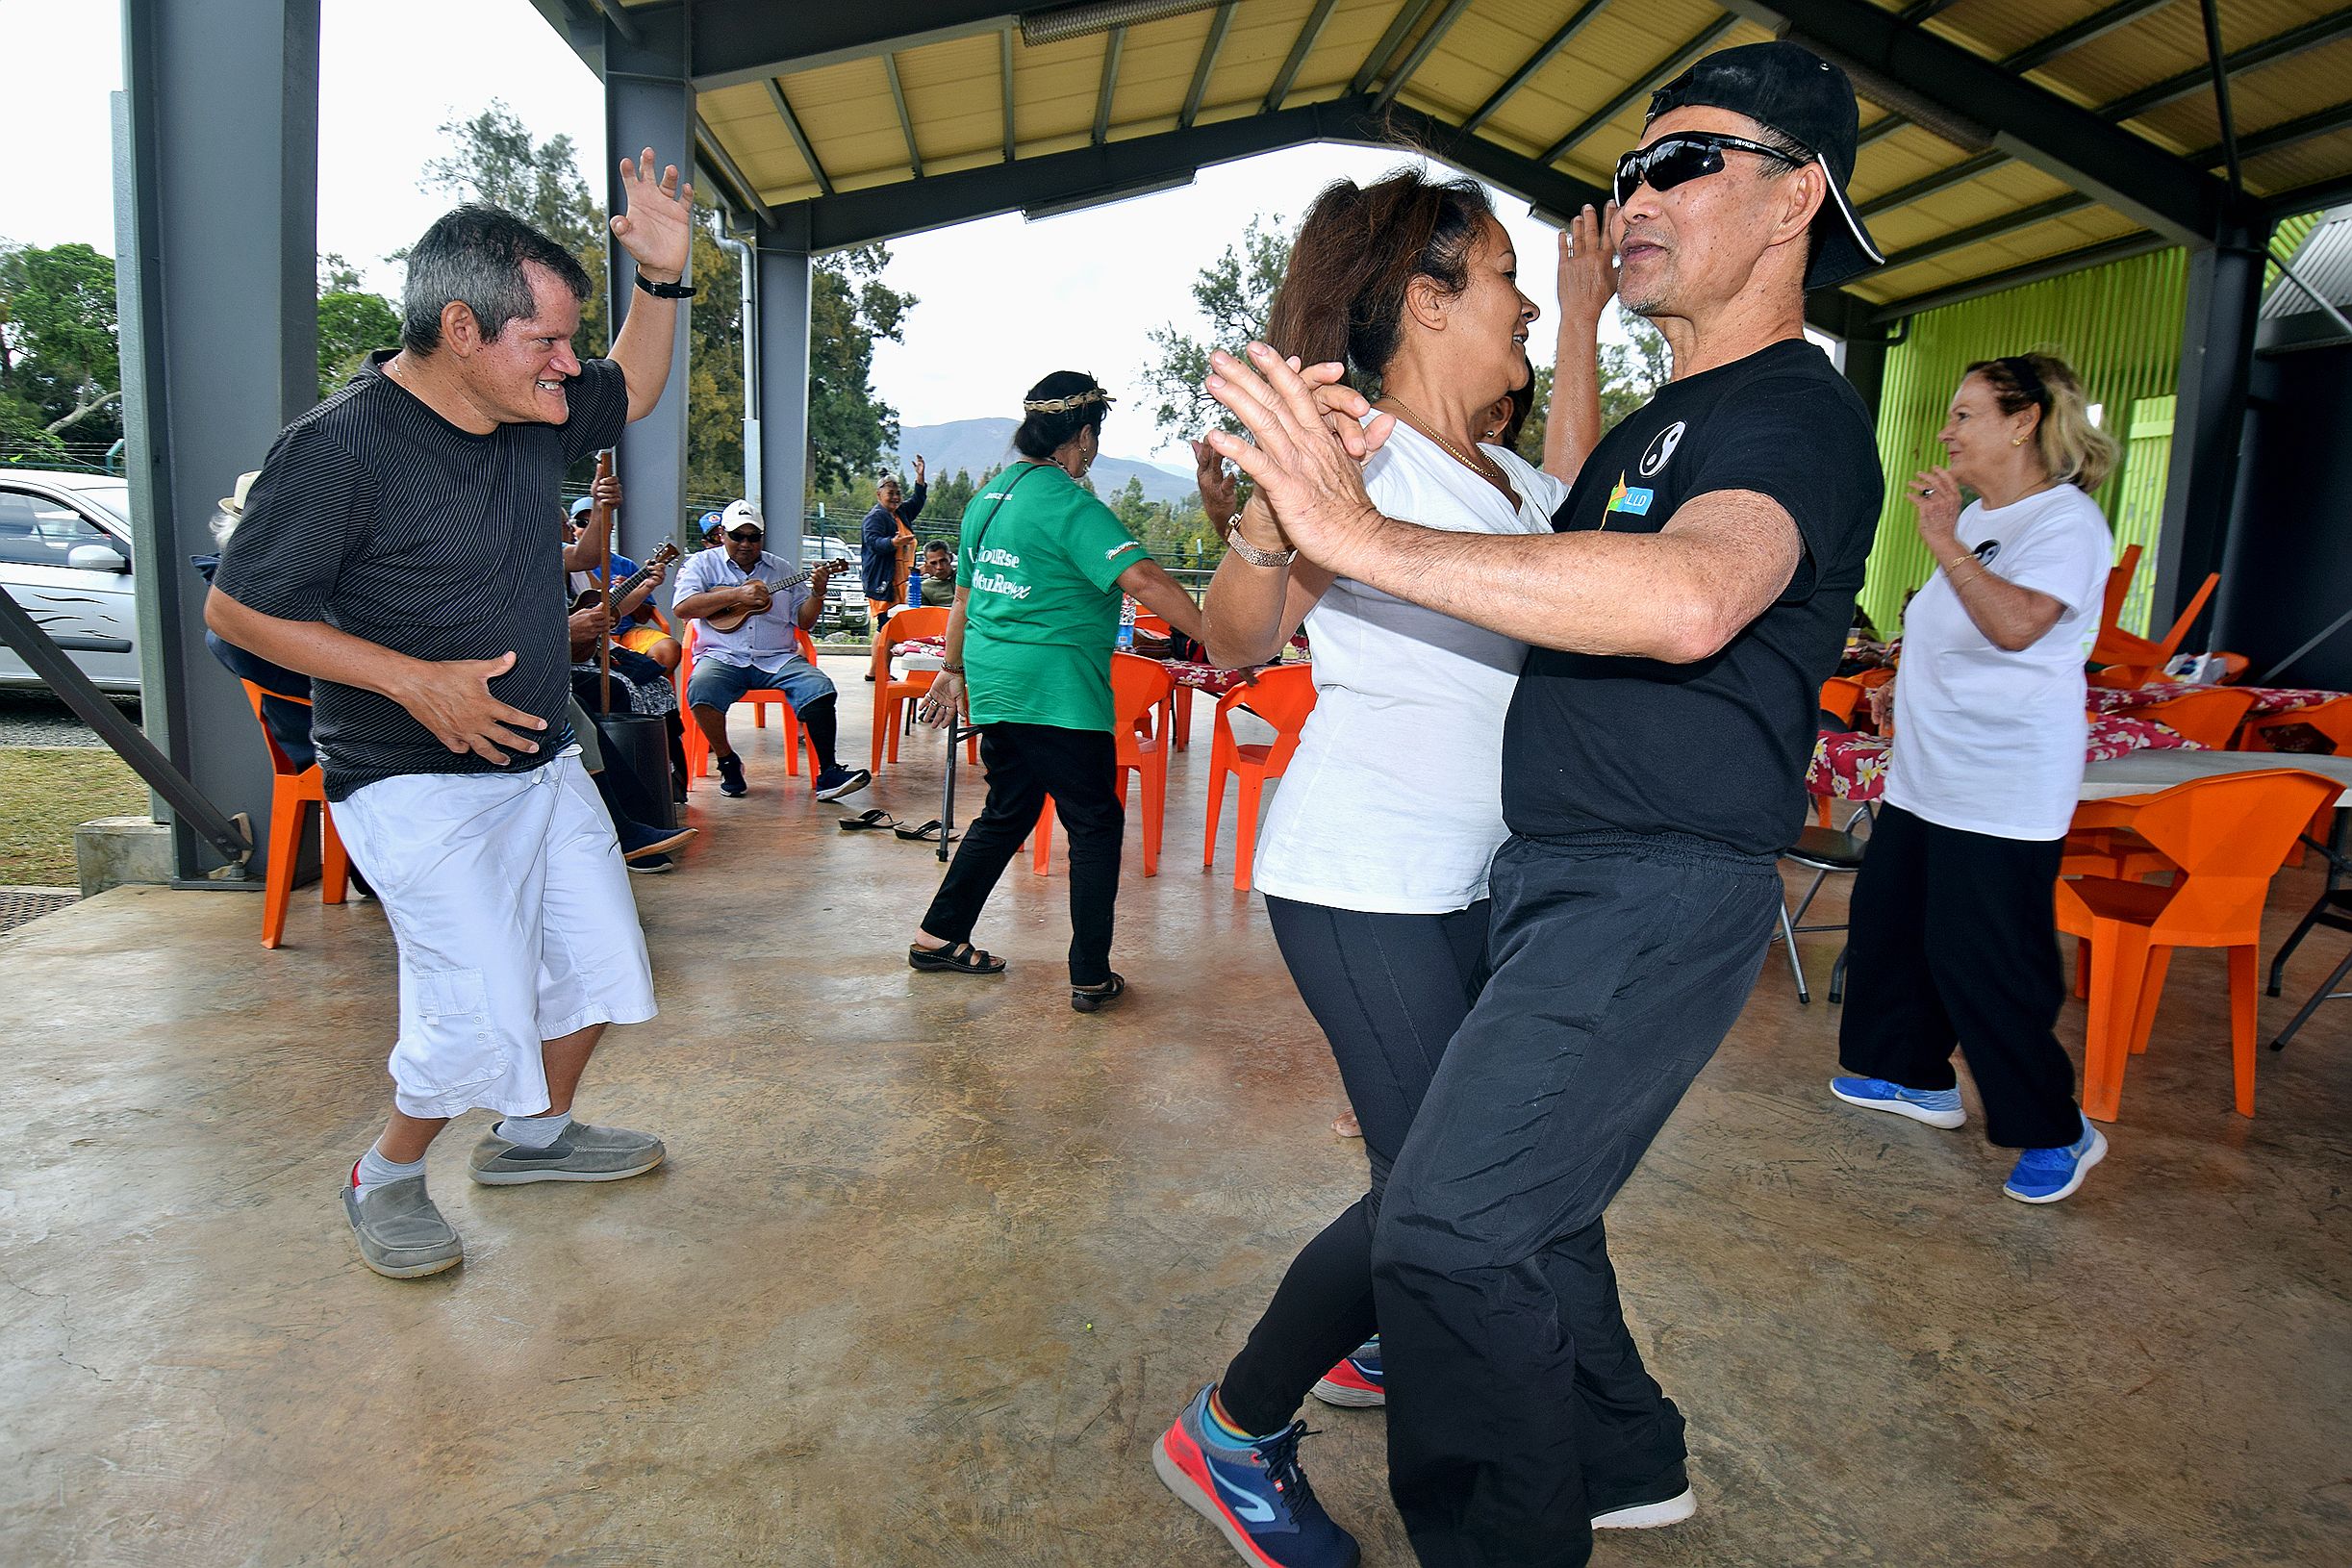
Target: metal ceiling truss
1408,17
2063,140
1209,49
2097,24
906,121
1113,47
1535,62
1642,87
1309,31
1431,37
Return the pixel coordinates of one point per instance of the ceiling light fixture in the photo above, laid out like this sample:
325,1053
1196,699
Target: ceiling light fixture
1044,26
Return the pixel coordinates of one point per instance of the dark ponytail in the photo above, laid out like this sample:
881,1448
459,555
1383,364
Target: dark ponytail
1357,253
1078,404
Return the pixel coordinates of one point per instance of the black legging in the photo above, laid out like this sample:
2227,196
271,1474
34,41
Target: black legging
1079,768
1388,991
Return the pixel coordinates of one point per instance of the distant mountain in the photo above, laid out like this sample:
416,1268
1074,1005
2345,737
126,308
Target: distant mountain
978,446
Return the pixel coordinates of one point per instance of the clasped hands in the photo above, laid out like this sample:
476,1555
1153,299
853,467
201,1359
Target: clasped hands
1306,448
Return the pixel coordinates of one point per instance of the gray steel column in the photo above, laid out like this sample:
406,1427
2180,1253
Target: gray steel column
2225,291
216,274
782,275
648,102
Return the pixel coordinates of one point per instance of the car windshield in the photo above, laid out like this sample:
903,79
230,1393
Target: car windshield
113,499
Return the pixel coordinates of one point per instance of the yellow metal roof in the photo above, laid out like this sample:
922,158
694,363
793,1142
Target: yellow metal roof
2139,64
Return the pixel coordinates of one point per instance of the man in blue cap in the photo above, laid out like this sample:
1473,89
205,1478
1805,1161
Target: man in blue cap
1682,619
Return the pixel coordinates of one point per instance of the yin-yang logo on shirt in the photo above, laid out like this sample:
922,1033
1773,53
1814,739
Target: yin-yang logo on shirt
1660,450
1985,551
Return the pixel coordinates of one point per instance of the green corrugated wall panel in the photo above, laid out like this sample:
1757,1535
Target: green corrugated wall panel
2139,500
2118,326
2290,232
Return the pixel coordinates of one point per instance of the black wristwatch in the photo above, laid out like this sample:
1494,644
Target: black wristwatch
665,290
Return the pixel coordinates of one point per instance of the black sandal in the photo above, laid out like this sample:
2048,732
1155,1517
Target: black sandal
868,819
955,958
1088,998
930,832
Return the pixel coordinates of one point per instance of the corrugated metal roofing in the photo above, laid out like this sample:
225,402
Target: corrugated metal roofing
1947,215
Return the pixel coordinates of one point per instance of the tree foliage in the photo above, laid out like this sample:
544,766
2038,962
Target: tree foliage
1232,293
351,322
850,308
1632,372
493,158
60,364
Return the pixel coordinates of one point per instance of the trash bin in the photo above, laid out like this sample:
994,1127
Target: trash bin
640,744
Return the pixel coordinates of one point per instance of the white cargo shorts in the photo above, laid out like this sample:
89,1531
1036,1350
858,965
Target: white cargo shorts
515,920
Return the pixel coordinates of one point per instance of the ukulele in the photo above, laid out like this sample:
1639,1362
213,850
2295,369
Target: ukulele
590,597
726,621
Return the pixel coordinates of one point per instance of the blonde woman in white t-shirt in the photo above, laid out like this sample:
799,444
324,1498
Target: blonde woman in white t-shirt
1954,939
1373,857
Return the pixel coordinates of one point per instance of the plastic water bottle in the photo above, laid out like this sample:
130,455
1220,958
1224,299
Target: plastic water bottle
1127,621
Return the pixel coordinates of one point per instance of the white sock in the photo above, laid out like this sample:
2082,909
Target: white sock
533,1131
373,1170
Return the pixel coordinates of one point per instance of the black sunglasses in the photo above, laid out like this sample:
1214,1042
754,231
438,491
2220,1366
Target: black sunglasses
746,536
1686,156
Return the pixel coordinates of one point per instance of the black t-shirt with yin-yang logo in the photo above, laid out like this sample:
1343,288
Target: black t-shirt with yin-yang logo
1716,750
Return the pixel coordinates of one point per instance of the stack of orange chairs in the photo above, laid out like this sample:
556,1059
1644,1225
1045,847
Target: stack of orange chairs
2224,837
1282,696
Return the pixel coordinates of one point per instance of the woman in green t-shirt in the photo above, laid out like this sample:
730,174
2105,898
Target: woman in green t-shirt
1037,586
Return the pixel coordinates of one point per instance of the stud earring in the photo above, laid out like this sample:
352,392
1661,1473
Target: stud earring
2017,441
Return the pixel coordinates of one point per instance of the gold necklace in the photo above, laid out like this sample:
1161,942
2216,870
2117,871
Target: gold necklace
1482,465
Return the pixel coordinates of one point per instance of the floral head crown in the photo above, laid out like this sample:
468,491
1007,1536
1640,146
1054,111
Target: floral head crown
1064,405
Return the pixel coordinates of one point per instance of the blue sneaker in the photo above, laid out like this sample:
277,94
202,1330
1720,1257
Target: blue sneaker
1356,1382
1936,1107
1255,1493
2044,1175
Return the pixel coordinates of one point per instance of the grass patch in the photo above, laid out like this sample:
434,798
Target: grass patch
47,792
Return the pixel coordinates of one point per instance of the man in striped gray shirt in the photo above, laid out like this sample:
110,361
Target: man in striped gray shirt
397,548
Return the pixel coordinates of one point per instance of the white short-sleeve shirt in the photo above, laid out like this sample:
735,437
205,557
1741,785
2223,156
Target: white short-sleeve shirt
764,637
1987,740
1394,801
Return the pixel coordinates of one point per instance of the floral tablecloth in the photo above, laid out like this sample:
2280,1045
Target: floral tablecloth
1201,677
2267,699
1852,766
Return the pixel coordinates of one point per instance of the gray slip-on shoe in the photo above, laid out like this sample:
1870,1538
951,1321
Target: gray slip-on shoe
401,1234
583,1153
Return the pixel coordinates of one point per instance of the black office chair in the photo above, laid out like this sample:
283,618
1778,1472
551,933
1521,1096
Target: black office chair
1822,850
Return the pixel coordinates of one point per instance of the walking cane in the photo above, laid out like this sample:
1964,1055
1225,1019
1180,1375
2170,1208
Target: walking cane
601,514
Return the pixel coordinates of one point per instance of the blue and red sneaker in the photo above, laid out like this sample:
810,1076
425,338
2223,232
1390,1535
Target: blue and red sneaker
1255,1493
1356,1382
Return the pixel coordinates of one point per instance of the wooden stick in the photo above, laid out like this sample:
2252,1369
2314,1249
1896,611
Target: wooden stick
602,514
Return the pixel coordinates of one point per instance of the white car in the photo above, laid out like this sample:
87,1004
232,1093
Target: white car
65,558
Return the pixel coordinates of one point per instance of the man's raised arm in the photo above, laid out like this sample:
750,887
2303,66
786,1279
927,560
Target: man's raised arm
656,229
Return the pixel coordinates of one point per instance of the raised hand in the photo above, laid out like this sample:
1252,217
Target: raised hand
1937,496
1303,468
452,700
656,223
1220,490
1587,281
918,470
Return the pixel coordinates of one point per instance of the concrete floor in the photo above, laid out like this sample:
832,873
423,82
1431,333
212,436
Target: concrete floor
934,1259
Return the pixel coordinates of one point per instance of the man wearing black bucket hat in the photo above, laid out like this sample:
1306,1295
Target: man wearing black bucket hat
1682,618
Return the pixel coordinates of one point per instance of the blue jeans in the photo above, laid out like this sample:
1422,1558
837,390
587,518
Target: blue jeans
721,686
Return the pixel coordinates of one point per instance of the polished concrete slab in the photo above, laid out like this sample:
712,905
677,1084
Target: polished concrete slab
934,1259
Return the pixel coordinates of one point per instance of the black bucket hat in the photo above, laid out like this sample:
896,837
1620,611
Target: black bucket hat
1806,98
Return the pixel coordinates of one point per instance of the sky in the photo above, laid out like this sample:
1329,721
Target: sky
1002,301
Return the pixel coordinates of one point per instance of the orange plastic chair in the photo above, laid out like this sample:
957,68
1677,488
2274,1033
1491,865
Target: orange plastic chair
2226,835
1139,691
2111,604
2209,716
1282,696
1840,696
892,694
2331,718
698,746
291,790
2133,661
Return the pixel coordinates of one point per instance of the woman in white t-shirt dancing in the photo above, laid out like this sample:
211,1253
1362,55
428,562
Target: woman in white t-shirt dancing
1375,854
1952,934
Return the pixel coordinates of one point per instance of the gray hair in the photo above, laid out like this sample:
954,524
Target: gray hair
225,524
474,256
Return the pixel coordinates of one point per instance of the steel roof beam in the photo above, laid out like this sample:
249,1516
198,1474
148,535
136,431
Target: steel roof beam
2062,138
1112,48
2038,271
1309,32
2200,79
747,194
1641,88
742,41
1209,49
906,122
1408,17
799,137
1992,228
1535,62
1005,72
1430,39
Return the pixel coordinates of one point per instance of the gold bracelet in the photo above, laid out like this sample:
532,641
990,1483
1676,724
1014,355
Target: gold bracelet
1957,581
1259,558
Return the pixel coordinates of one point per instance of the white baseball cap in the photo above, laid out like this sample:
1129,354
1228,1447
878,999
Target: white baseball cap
738,512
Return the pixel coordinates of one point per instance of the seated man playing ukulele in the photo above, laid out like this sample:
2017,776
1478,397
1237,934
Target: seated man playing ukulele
748,602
